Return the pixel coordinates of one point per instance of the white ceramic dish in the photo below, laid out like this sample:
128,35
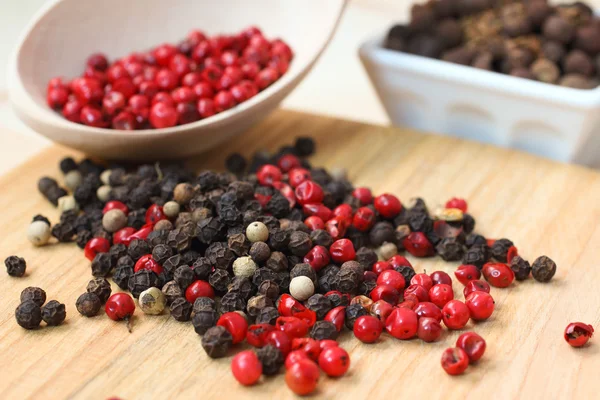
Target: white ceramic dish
65,32
437,96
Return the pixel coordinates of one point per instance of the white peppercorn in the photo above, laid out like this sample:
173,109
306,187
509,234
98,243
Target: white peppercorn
105,176
302,287
244,267
387,250
171,209
114,220
73,179
66,203
38,233
103,193
152,301
257,232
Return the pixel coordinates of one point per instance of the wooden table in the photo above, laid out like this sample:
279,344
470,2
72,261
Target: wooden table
545,207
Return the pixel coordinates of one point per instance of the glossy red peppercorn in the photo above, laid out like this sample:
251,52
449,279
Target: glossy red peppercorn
511,253
186,113
154,214
399,261
385,293
363,219
124,86
72,110
410,301
147,262
280,340
337,316
392,278
163,97
419,291
498,274
206,108
288,162
423,280
314,223
466,273
318,210
235,324
224,100
87,90
310,346
334,361
294,357
120,306
473,344
163,116
246,367
327,343
429,329
381,309
166,79
381,266
95,246
114,204
427,309
342,250
290,307
441,294
456,202
197,289
455,314
298,175
476,286
183,95
367,328
57,97
256,335
481,305
92,116
267,174
293,327
123,235
163,54
402,323
438,277
577,334
287,192
318,257
337,227
387,205
309,192
302,377
142,233
344,211
417,244
455,361
266,77
363,195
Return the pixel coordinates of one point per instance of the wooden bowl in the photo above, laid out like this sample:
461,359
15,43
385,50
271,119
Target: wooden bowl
65,32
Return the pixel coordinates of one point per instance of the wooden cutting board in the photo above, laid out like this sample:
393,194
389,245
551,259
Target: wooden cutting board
544,207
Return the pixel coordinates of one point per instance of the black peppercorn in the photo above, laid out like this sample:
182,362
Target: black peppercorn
277,262
257,303
321,237
203,304
278,239
140,281
100,287
520,267
323,330
67,164
181,309
269,288
475,239
366,257
558,28
348,280
271,359
238,244
161,252
203,320
53,313
35,294
202,268
102,264
243,286
15,266
381,232
219,280
278,205
499,249
217,341
179,240
64,232
83,237
172,263
138,248
260,252
28,315
320,304
236,163
231,301
267,315
171,290
366,287
353,311
304,146
220,255
450,249
283,280
337,299
211,229
123,272
407,272
543,269
397,38
117,251
88,304
303,270
299,243
468,223
184,276
477,255
136,218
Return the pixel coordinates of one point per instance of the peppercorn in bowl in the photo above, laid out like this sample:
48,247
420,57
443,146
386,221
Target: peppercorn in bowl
160,79
518,74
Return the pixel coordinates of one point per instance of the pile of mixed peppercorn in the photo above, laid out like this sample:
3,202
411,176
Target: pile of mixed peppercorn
275,251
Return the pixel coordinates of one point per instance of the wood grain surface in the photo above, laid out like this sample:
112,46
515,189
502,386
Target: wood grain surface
544,207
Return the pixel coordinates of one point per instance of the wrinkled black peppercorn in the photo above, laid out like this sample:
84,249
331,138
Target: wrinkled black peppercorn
320,304
520,267
353,311
407,272
122,273
161,252
277,262
271,359
267,315
321,237
184,276
322,330
88,304
203,320
217,341
100,287
181,309
269,288
15,266
140,281
477,255
28,315
499,249
53,313
543,269
102,264
299,243
36,294
219,280
303,270
450,249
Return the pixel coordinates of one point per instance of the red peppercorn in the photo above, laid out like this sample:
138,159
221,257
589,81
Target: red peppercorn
183,94
387,205
148,263
419,291
417,244
498,274
206,108
163,54
427,309
392,278
290,307
423,280
95,246
455,202
124,86
381,309
180,65
163,97
224,100
57,97
280,340
337,227
197,289
399,261
364,219
385,293
410,301
163,116
314,223
473,344
87,90
455,361
318,210
256,335
369,276
438,277
429,329
294,357
123,235
115,204
481,305
235,324
92,116
441,294
302,377
402,323
381,266
246,368
367,328
154,214
334,361
120,306
309,192
363,195
124,121
72,110
344,211
97,61
476,286
166,79
327,343
298,175
288,162
342,250
311,347
577,334
293,327
266,77
267,174
466,273
337,316
318,257
186,113
455,314
142,233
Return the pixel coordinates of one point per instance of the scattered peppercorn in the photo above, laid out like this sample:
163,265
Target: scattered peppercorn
35,294
28,314
88,304
15,266
53,313
216,342
101,288
271,359
543,269
181,309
